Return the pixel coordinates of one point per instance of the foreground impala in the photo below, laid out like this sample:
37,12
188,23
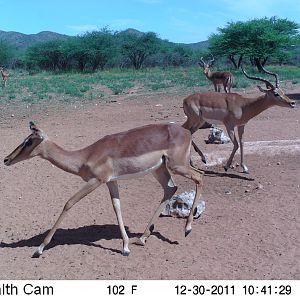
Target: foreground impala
217,78
159,149
233,110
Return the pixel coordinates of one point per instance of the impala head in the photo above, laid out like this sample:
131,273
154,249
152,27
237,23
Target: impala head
273,92
205,65
28,148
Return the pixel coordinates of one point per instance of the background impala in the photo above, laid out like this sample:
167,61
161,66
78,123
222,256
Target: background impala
218,79
233,110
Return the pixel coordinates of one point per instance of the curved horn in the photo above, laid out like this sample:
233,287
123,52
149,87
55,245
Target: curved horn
271,73
202,61
212,60
268,84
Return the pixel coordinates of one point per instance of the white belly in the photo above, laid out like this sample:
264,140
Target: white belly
129,168
213,115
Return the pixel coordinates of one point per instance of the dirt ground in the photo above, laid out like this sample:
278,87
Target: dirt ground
249,230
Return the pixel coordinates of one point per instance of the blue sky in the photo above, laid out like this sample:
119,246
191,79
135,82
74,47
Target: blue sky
185,21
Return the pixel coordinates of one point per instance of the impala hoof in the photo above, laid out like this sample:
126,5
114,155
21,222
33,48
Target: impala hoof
36,254
38,251
245,170
226,169
151,228
204,160
187,232
138,241
125,253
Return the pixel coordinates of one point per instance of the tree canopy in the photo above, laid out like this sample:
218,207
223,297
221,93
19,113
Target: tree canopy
257,39
6,52
137,47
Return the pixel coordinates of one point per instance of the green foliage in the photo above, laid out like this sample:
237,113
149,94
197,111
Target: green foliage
100,47
44,55
257,39
101,85
138,47
6,52
89,51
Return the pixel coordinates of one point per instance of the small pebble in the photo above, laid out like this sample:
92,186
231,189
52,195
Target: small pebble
259,187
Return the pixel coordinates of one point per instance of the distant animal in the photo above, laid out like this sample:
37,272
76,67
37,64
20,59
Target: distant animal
232,110
5,76
217,78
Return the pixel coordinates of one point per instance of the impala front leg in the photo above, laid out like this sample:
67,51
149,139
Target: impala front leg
88,188
230,131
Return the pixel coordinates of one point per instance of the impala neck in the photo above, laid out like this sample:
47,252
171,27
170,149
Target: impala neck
256,106
208,73
69,161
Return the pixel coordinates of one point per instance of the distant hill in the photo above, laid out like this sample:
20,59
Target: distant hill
199,45
22,41
133,31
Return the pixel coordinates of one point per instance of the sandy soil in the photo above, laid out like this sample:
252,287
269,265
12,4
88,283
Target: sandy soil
249,230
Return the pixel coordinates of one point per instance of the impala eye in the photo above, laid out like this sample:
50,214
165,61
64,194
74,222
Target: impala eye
28,143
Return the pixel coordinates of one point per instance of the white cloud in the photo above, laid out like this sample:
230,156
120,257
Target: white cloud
121,24
83,28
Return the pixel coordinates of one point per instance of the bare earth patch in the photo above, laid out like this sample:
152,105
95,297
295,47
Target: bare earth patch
249,229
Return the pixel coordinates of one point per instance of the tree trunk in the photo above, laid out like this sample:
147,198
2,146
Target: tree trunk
257,64
231,57
264,61
240,61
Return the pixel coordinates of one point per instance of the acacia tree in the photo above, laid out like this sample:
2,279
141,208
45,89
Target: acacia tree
45,55
257,39
137,47
100,47
6,52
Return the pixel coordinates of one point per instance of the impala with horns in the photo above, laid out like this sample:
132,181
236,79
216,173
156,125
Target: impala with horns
217,78
4,75
160,149
233,110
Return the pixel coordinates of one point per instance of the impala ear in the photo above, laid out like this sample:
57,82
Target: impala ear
35,130
33,127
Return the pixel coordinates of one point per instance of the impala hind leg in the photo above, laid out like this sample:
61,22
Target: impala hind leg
197,176
231,134
240,134
226,85
115,198
197,149
164,177
193,126
85,190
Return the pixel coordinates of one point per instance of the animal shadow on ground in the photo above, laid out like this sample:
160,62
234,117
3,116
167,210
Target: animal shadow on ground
86,235
226,174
